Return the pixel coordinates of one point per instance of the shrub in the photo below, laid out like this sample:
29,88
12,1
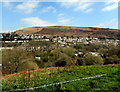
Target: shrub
79,61
55,54
79,46
69,51
63,60
93,60
12,58
27,64
112,60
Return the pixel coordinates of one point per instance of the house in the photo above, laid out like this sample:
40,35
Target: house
76,54
80,53
1,48
38,57
94,53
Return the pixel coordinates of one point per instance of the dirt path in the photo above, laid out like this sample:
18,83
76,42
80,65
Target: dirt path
41,69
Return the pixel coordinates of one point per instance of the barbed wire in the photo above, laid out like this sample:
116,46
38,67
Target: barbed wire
27,89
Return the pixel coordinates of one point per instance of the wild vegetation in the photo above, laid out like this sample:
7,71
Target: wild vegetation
62,74
49,54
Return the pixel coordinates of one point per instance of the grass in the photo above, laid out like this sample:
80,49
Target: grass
61,74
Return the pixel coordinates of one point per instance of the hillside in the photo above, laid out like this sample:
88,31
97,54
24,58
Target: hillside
71,31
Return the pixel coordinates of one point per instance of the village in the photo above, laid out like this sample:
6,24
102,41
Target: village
62,40
43,46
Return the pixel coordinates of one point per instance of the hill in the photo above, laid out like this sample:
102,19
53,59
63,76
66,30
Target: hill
71,31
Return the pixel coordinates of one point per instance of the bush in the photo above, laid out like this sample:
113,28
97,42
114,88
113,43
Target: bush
69,51
112,60
12,58
93,60
79,46
79,61
27,65
63,60
55,54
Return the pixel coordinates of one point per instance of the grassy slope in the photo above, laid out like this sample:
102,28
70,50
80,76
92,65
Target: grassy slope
61,74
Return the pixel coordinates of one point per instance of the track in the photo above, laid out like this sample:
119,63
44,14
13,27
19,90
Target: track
41,69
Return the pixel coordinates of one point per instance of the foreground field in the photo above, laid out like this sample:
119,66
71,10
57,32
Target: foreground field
62,74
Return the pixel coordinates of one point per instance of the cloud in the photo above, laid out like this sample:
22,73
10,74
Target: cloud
27,7
69,3
110,7
89,10
60,14
83,6
6,31
48,9
107,2
63,20
35,21
78,6
113,23
7,4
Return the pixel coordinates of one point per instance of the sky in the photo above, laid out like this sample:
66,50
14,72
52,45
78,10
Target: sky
18,15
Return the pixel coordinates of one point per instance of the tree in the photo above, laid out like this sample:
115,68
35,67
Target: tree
79,46
55,54
69,51
27,64
93,60
79,61
63,60
12,59
112,60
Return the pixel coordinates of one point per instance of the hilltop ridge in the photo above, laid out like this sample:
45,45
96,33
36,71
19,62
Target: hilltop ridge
70,31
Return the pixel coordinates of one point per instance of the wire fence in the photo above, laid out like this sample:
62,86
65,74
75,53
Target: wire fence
27,89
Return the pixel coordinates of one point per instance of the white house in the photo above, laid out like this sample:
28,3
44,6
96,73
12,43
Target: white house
94,53
38,58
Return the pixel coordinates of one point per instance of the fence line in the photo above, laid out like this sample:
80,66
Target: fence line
27,89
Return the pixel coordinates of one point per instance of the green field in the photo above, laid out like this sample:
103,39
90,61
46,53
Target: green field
61,74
